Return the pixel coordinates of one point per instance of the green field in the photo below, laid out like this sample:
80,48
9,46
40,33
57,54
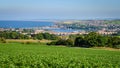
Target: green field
17,55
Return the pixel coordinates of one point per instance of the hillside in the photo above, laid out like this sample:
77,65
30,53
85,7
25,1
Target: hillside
43,56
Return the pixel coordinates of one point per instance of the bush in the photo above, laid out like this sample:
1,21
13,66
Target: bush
2,40
117,47
70,42
52,43
27,42
67,42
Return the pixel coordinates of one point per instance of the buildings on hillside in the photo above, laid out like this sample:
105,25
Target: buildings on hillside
37,31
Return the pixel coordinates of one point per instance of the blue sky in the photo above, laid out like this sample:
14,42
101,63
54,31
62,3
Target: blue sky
58,9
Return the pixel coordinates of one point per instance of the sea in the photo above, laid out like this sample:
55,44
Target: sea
24,24
30,24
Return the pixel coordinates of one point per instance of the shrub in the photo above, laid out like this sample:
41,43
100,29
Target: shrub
52,43
27,42
70,42
2,40
67,42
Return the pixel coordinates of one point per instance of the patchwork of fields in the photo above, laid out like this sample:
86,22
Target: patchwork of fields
15,55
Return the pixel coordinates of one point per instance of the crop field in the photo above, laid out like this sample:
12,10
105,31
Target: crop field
17,55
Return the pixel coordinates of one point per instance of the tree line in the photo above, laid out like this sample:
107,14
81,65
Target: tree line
46,36
17,35
13,35
90,40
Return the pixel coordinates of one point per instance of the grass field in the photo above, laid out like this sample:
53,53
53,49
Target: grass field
29,40
17,55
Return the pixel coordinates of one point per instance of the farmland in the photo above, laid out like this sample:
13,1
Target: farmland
17,55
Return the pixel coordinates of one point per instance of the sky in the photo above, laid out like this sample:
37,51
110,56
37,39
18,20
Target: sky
59,9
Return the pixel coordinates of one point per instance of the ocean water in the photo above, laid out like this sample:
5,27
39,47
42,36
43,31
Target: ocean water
30,24
23,24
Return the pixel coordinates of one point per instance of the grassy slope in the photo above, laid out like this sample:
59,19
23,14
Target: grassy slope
36,55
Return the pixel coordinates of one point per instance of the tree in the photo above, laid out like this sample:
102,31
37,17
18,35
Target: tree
39,36
80,42
46,36
102,41
53,37
91,39
14,35
113,42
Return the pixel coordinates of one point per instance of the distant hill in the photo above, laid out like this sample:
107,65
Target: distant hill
113,22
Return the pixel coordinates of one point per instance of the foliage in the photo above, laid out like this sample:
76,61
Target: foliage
39,36
96,40
67,42
47,36
13,35
17,35
74,36
113,42
80,42
52,43
2,40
